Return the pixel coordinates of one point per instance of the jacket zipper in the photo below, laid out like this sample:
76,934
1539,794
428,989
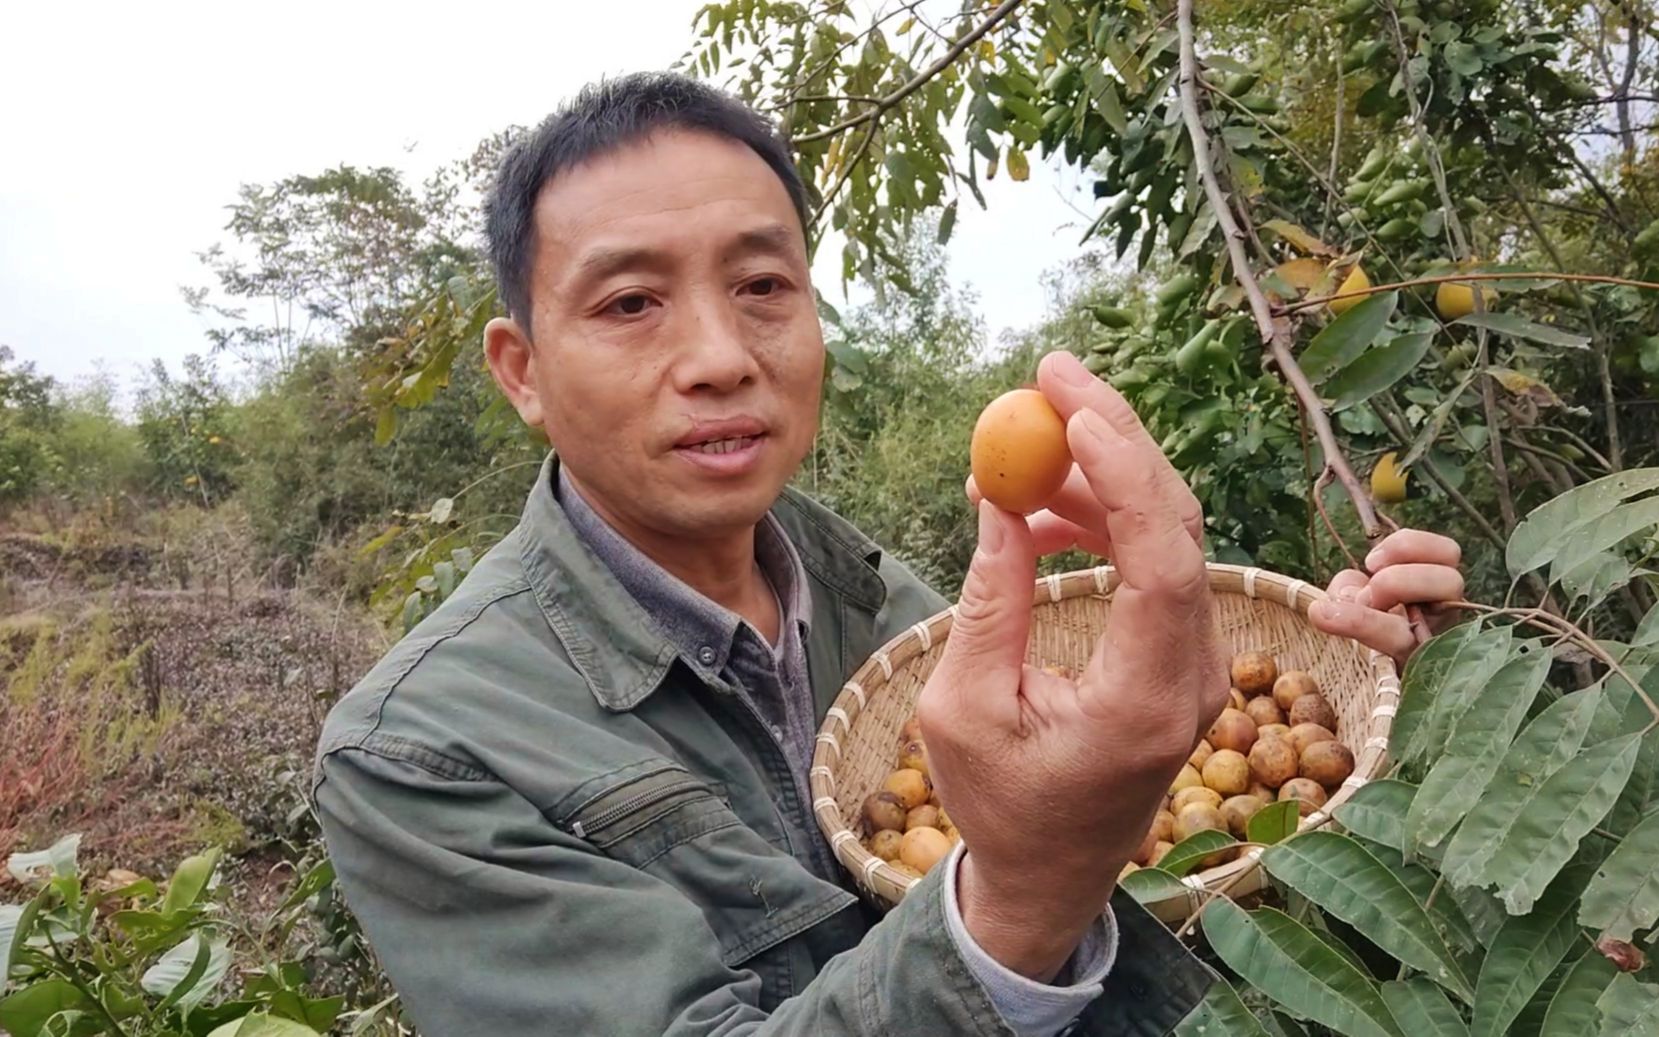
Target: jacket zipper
611,815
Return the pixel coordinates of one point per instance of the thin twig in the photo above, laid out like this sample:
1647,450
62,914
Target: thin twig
1319,485
916,82
1418,282
1274,334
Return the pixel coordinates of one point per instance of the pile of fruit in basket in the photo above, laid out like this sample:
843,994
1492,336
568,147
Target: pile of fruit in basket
1276,742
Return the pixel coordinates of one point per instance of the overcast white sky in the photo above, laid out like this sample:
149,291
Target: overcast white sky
126,129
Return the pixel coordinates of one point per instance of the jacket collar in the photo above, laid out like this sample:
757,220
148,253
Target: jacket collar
613,642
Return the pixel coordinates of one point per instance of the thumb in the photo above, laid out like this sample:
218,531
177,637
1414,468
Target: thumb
987,643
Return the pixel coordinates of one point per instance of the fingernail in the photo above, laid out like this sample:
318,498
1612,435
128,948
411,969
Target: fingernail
991,533
1346,594
1071,370
1374,560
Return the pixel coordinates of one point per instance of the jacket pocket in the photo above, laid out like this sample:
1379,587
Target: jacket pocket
679,828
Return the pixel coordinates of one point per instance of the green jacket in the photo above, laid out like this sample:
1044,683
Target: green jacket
547,825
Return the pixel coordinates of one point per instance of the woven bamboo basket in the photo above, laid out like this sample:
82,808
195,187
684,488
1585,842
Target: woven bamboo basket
1256,610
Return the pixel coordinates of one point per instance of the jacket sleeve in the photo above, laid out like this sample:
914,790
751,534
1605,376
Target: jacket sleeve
490,919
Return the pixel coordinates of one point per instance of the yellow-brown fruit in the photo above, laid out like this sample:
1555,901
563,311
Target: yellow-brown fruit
1236,699
1306,792
1158,853
924,816
1272,762
911,786
885,844
1200,753
1238,810
1254,673
1018,451
1186,779
1454,300
1292,686
922,848
1262,792
1227,772
1149,842
1388,480
914,757
1197,794
1264,711
906,870
1304,735
1272,731
1328,763
883,810
1232,730
1163,826
945,823
1313,709
1355,281
910,731
1197,818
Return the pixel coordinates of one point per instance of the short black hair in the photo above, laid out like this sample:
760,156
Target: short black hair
605,116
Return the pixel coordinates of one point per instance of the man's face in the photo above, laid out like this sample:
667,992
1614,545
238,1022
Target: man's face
677,356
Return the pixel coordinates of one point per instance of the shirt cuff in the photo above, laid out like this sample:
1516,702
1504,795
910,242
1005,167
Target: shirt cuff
1029,1008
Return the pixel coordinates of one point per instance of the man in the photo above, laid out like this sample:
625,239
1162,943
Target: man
573,801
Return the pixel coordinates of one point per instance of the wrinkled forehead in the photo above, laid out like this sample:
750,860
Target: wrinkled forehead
673,190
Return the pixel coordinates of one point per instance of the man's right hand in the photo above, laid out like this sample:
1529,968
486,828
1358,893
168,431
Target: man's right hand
1053,782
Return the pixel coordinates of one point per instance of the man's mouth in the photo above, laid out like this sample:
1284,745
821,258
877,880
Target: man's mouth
728,445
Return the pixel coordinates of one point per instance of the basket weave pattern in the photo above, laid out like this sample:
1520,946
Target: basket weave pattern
1256,610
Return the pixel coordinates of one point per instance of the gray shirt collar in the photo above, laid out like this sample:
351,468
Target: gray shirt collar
691,621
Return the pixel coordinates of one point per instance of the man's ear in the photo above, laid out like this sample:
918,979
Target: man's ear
512,361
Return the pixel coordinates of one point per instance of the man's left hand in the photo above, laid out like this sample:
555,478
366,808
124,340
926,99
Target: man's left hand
1409,567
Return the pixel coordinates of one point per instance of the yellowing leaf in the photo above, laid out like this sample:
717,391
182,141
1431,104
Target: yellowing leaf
1521,384
1018,166
1301,273
987,50
1299,237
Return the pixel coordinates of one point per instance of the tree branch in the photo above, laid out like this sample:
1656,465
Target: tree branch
1000,12
1418,282
1275,334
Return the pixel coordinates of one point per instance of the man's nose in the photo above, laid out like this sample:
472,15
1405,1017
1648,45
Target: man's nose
716,354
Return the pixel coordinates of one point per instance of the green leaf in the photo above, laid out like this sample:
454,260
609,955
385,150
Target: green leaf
311,883
1519,327
1629,1008
1343,339
1477,742
12,936
1376,369
1422,1009
444,574
1377,811
1552,526
1573,1011
1624,895
1274,823
1647,631
59,859
1187,853
1434,683
1615,527
264,1026
947,222
1463,59
1344,880
1296,968
1545,746
1571,802
385,426
389,534
24,1013
1151,885
189,881
1445,907
189,972
1525,951
1641,793
1220,1014
412,606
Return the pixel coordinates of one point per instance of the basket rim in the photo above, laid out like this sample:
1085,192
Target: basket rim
888,885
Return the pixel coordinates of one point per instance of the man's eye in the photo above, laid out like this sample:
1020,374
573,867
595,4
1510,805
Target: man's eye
764,286
630,305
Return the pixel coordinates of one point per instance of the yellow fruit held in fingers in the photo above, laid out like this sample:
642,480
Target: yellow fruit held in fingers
1356,281
1453,300
1388,481
1018,452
